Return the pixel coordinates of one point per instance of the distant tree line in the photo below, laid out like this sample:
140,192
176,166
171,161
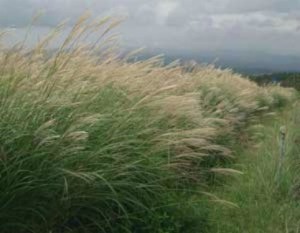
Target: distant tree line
284,79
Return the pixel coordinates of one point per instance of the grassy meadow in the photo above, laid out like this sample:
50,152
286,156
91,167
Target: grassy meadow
93,143
266,197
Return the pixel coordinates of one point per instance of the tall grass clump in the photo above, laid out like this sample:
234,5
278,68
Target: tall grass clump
92,143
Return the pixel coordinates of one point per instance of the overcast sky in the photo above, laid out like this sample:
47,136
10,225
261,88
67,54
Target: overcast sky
271,26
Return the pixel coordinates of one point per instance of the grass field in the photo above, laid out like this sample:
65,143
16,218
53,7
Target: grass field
265,199
92,143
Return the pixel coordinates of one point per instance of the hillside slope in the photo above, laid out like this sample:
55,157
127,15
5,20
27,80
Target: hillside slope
92,143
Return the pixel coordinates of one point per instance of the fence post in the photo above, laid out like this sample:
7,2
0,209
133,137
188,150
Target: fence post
282,143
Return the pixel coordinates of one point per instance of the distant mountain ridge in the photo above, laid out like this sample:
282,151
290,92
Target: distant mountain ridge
245,62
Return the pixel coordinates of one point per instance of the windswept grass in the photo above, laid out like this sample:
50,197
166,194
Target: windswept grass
265,201
92,143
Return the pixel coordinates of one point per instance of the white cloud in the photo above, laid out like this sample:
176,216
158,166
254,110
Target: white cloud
164,9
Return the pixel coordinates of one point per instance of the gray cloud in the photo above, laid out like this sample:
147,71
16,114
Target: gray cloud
183,25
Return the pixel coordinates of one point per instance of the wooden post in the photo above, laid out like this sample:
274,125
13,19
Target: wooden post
282,150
